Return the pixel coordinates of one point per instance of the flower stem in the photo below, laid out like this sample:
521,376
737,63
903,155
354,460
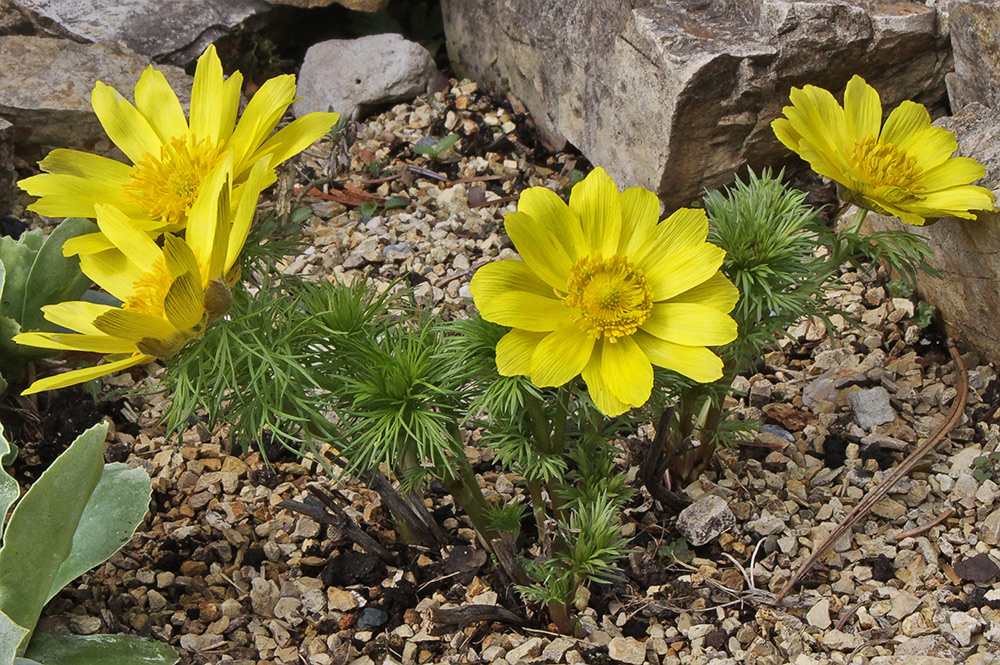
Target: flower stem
859,219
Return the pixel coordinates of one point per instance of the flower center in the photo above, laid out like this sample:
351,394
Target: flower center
884,164
150,290
168,185
612,295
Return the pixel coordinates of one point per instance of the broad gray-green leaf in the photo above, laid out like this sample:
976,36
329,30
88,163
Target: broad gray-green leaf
54,277
25,661
17,256
11,636
9,491
99,650
115,509
40,531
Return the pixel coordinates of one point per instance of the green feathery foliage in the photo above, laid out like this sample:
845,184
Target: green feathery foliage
770,236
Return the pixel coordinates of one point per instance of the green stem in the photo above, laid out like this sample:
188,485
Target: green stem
859,219
467,493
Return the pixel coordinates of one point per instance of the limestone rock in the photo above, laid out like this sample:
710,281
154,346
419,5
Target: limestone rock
974,28
966,252
674,95
354,75
45,91
8,190
871,407
175,32
705,519
356,5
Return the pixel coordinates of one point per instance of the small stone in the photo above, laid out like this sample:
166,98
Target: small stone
916,625
371,618
903,604
767,524
85,625
819,615
627,650
554,650
841,641
705,519
156,600
963,627
532,648
989,530
980,568
871,407
341,599
889,509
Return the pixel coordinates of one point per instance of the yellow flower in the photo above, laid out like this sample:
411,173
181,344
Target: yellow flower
169,293
606,291
904,168
171,157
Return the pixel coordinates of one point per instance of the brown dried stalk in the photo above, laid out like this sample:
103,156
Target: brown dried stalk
874,496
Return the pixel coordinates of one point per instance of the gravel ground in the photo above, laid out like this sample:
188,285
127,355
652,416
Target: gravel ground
224,573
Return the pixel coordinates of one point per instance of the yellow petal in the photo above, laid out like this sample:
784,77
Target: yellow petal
640,213
690,324
208,219
600,393
229,105
528,311
133,326
626,371
85,165
905,120
207,97
90,243
112,271
246,196
540,247
295,137
955,202
184,303
84,375
156,101
597,204
501,277
862,109
72,342
136,245
931,146
817,116
179,258
716,292
953,173
123,123
77,315
686,227
546,208
783,129
260,118
560,356
514,352
694,362
676,272
70,195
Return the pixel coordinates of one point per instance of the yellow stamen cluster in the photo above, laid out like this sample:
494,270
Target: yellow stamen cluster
168,185
884,164
150,291
612,295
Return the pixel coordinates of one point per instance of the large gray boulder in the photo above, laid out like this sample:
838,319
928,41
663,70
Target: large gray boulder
45,91
171,31
674,95
967,252
974,28
8,191
356,75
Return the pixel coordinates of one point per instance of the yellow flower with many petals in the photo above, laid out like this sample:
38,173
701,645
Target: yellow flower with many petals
169,293
904,168
606,291
171,156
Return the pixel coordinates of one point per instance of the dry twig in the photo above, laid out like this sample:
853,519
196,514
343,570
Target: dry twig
874,496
